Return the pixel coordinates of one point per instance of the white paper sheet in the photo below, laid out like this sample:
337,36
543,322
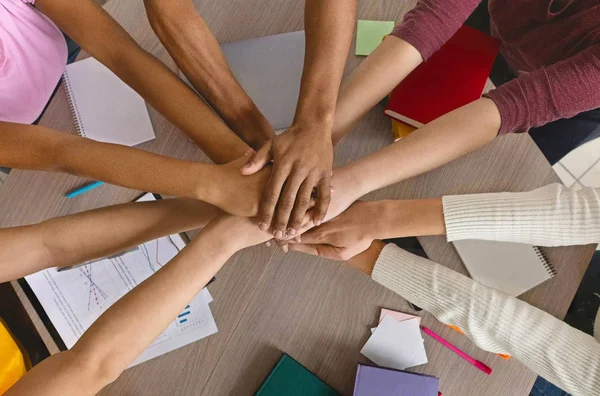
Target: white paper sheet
396,345
75,298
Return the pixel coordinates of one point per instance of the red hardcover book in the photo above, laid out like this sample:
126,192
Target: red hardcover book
454,76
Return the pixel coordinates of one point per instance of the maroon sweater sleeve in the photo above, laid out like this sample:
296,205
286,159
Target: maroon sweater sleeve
432,22
561,90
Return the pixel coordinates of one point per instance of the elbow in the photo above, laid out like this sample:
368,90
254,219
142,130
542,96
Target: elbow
97,371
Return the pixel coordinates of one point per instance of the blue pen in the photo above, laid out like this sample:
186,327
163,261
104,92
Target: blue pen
83,189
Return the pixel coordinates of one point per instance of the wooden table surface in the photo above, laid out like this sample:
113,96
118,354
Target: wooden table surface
318,311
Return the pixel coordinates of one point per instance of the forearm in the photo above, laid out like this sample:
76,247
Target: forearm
495,321
372,80
404,218
329,28
38,148
110,44
111,343
443,140
73,239
115,340
197,53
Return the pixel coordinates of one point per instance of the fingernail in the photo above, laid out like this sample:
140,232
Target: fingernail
285,248
278,234
292,232
263,226
250,151
318,222
298,239
268,244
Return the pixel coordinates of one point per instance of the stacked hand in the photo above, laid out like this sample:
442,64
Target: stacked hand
302,161
343,237
237,194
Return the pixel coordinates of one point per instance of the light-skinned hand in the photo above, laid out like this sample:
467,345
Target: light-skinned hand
343,237
302,161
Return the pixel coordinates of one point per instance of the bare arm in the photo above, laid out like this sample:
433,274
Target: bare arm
303,155
372,80
192,45
437,143
111,44
73,239
39,148
115,339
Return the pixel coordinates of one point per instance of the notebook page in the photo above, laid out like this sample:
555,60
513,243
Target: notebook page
108,109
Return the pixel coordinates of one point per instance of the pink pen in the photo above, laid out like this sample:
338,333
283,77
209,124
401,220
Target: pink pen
480,365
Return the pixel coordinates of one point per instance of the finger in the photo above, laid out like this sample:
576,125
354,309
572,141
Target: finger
329,252
304,248
258,160
271,196
303,202
324,190
315,236
286,203
307,224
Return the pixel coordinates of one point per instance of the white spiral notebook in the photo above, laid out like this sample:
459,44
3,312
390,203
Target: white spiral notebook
512,268
104,107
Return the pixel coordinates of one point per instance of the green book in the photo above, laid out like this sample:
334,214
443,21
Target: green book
290,378
369,35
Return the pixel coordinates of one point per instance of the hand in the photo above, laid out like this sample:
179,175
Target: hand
345,236
346,193
235,193
236,233
302,161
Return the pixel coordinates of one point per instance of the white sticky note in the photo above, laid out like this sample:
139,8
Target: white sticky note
396,345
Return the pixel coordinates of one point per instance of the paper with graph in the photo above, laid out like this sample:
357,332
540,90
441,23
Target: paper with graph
74,299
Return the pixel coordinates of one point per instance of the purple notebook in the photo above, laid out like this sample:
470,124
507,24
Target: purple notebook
376,381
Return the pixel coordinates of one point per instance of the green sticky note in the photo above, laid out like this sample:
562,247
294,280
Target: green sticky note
369,35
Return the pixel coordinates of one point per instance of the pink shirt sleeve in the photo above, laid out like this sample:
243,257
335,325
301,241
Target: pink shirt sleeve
432,22
561,90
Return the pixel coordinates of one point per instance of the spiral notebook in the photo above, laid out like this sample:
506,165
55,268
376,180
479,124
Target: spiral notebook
104,107
512,268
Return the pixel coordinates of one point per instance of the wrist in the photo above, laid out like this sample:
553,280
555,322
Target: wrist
366,260
248,122
347,180
404,218
209,179
317,119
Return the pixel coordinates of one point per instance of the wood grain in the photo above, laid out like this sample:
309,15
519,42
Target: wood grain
266,302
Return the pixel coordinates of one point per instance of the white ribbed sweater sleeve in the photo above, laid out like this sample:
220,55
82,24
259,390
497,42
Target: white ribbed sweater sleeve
495,321
549,216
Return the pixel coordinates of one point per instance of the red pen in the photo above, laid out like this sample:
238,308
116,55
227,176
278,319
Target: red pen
480,365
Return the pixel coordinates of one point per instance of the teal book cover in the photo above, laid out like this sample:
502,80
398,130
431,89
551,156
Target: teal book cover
290,378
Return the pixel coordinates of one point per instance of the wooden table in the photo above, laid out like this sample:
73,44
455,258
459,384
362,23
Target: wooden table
318,311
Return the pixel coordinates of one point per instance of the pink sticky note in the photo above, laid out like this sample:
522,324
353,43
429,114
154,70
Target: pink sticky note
397,316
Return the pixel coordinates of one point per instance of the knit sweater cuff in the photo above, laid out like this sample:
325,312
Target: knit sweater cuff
549,216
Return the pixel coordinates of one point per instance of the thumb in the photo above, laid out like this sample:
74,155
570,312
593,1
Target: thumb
258,160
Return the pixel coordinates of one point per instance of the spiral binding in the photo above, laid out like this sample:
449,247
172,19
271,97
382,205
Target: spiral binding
73,106
544,259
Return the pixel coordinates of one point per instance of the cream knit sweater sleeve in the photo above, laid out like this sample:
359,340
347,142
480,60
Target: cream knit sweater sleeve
549,216
495,321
